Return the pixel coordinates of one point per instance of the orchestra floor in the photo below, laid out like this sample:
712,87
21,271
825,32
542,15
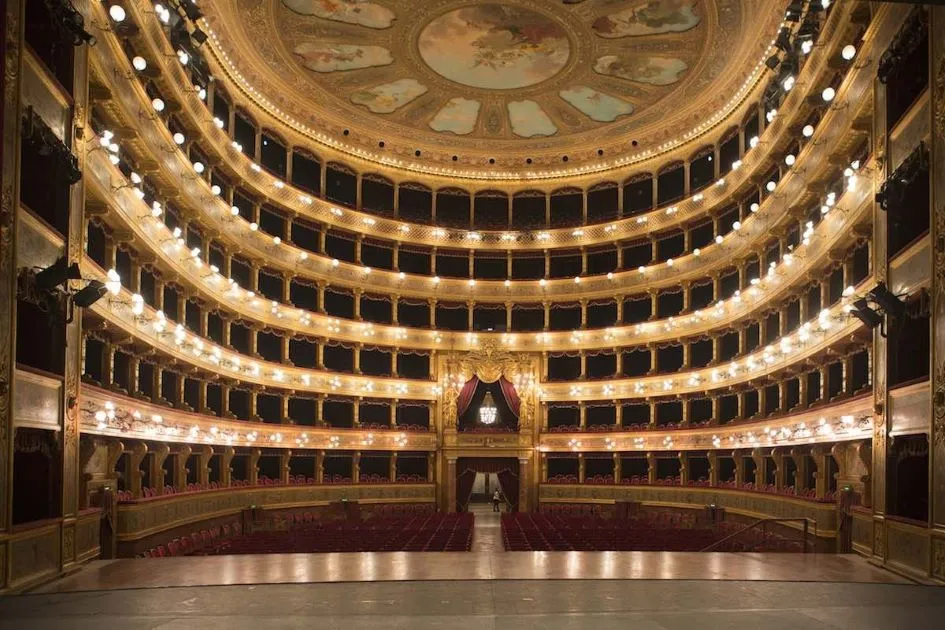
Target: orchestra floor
484,589
481,590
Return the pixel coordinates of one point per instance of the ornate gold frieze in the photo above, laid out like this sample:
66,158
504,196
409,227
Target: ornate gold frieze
109,414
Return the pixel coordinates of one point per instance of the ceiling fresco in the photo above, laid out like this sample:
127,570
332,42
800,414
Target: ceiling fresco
506,78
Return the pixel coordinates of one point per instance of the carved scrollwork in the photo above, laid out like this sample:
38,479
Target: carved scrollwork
940,98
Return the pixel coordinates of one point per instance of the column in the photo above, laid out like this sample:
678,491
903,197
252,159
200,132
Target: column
179,472
133,471
226,469
203,467
252,467
683,468
937,223
392,474
713,458
284,460
582,467
156,472
618,468
320,467
651,468
450,484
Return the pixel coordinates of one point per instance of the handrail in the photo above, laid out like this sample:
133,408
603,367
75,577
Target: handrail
764,521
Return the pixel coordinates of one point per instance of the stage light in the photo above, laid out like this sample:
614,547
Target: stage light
888,300
90,294
57,273
865,314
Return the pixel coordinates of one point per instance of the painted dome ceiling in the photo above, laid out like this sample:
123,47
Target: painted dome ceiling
466,87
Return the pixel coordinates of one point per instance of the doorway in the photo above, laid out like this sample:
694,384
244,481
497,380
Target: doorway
474,473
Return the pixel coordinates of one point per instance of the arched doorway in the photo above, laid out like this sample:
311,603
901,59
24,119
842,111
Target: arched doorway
505,468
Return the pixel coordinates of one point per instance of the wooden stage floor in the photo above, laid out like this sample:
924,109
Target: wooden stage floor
192,571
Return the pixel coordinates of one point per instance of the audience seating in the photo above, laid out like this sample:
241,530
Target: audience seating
430,532
526,531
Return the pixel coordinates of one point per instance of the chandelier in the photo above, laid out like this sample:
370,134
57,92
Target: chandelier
488,413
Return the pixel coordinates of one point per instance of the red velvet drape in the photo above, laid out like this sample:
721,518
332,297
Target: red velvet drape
466,396
464,487
510,395
509,482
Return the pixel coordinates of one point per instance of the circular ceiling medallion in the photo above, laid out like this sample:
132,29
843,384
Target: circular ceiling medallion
508,87
494,46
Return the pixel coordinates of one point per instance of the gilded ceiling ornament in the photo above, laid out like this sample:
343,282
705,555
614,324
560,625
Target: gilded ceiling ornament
453,77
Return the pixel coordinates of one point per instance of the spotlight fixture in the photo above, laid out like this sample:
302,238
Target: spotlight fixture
57,273
90,294
784,40
887,300
773,61
863,312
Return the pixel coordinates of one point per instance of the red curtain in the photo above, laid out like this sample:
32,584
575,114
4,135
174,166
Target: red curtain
466,396
511,396
464,487
509,482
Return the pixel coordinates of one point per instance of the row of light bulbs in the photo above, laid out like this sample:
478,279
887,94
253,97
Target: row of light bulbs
824,429
718,310
757,363
111,418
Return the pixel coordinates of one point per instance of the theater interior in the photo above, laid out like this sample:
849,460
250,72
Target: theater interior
485,314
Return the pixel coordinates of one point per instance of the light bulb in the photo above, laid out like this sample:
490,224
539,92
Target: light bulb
789,159
770,186
807,46
199,167
113,282
808,131
157,104
179,138
719,239
848,52
234,211
828,94
139,63
117,12
753,142
215,189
